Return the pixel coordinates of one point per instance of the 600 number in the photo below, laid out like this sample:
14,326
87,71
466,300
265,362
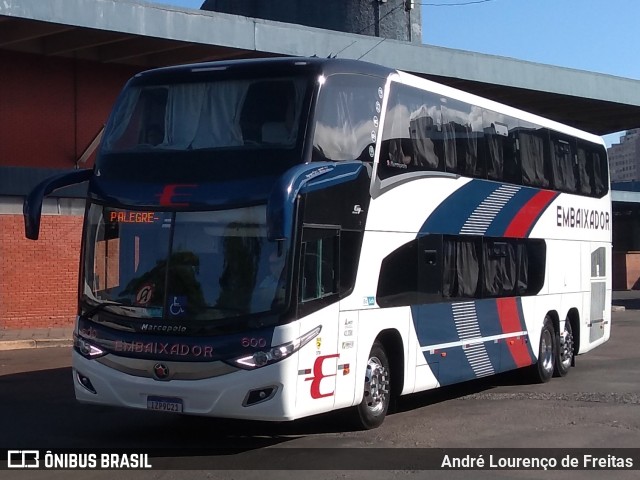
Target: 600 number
254,342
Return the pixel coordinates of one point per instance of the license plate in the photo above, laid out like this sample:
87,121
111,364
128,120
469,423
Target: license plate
164,404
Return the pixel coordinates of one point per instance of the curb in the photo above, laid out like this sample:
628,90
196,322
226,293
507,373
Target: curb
32,343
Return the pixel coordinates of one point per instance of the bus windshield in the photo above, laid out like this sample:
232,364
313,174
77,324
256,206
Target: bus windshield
235,113
182,266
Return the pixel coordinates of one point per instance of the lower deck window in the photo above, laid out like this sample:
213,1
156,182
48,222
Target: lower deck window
436,268
461,266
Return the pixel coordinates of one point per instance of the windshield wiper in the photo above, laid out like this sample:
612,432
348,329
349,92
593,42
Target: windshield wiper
100,306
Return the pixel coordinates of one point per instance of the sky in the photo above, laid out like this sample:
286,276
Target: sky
595,35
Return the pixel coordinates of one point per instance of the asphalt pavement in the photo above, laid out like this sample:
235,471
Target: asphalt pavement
16,339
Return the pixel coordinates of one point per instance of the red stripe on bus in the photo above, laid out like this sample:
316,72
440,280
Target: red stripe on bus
522,222
510,322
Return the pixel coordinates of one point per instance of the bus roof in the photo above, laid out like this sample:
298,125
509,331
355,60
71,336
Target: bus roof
321,66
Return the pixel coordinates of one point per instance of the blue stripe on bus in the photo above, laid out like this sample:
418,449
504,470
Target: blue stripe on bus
453,212
442,323
456,214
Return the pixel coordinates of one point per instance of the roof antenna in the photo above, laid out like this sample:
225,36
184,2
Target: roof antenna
369,51
342,50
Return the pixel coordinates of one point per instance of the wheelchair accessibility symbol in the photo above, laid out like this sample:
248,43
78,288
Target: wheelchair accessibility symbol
177,306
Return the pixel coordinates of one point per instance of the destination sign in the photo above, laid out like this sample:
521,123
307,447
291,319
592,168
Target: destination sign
132,217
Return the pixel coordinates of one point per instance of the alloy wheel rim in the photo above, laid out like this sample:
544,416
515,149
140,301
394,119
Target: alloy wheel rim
376,386
566,347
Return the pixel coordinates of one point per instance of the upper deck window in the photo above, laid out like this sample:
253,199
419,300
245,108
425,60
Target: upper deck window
424,131
208,115
347,123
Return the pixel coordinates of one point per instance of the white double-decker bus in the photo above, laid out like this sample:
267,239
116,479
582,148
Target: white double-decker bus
272,239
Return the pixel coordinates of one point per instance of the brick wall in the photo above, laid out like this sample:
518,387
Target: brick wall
54,109
626,270
39,279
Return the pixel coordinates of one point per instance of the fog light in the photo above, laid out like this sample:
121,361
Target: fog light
259,395
84,381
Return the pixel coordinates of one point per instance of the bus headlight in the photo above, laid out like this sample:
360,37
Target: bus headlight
276,353
86,348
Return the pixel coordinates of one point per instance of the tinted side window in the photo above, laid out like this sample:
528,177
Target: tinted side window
398,282
601,170
585,171
592,169
564,164
412,138
532,258
534,160
461,267
346,122
425,131
500,140
512,267
463,138
500,266
412,274
437,268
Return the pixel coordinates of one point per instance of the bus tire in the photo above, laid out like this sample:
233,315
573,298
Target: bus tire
542,370
377,389
565,351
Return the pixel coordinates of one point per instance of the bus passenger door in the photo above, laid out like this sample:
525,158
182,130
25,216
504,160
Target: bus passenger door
318,305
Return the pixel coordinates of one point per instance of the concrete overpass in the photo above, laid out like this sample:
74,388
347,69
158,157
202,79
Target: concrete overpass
64,61
148,35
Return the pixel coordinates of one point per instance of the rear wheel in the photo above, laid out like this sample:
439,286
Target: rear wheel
377,389
542,370
565,351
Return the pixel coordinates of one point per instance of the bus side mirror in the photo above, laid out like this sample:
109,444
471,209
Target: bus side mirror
283,198
300,179
32,208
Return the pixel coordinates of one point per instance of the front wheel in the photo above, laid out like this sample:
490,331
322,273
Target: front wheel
377,389
542,370
565,351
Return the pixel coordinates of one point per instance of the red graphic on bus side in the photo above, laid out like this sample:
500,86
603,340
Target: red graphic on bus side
318,376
